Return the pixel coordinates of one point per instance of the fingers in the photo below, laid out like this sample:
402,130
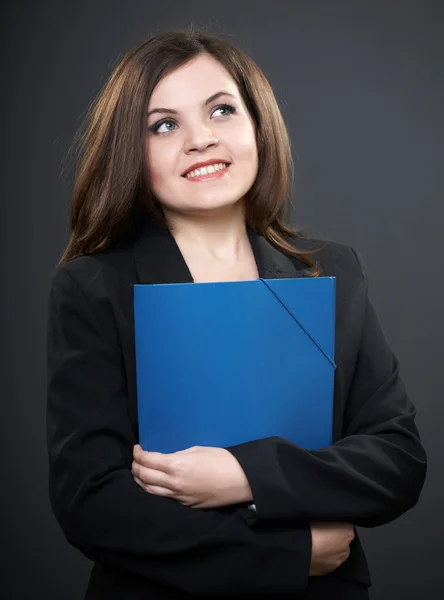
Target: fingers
151,476
152,460
153,489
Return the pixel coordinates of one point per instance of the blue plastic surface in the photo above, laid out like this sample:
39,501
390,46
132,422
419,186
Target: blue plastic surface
223,363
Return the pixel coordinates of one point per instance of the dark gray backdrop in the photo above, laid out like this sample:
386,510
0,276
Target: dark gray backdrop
361,87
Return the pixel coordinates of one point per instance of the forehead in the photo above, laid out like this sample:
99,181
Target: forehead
192,83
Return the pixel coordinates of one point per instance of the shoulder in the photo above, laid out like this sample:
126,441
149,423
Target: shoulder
345,264
94,273
336,259
91,291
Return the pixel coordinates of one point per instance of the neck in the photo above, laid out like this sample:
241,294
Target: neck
220,234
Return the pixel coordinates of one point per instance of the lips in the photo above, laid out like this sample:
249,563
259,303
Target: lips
206,163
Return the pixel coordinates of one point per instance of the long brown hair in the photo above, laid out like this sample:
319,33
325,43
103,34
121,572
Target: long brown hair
110,192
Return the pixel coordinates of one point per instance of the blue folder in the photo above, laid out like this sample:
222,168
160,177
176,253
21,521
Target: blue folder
219,364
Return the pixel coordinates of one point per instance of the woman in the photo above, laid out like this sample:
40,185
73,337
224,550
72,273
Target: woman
265,516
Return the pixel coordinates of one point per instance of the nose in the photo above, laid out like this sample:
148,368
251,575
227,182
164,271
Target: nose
199,139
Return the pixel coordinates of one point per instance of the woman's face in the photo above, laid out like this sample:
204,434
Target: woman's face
196,114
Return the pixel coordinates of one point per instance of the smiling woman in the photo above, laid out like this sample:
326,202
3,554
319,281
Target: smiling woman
185,176
201,127
217,107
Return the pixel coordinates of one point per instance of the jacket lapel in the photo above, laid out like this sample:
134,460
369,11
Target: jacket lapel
273,263
158,258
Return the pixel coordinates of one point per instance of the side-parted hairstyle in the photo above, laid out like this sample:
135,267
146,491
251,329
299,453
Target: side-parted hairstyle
111,190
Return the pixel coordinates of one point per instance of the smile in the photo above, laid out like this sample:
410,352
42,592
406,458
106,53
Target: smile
207,173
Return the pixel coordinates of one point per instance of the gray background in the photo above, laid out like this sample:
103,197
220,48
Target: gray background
361,88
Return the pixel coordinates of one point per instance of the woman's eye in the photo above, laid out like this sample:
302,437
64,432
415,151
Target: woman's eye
227,108
170,125
157,128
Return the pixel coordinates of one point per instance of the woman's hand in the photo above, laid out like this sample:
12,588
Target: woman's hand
330,546
200,477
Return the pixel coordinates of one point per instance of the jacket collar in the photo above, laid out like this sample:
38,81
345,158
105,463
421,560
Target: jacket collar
158,258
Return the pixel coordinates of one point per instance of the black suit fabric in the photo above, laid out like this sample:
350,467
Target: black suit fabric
147,546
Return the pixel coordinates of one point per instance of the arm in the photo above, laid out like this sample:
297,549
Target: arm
369,477
100,508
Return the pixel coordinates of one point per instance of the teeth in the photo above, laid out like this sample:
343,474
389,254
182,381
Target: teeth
206,170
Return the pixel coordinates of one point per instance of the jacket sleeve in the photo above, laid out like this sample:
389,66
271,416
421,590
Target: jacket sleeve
372,475
98,505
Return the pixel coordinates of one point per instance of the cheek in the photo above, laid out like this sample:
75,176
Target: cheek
247,147
155,178
249,158
156,167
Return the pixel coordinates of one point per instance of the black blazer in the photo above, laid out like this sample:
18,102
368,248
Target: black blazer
146,546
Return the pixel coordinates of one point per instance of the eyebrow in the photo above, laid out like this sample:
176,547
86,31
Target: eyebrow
172,111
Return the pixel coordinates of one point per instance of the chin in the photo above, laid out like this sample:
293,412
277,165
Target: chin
206,206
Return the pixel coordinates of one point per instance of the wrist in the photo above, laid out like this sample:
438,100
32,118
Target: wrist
245,495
